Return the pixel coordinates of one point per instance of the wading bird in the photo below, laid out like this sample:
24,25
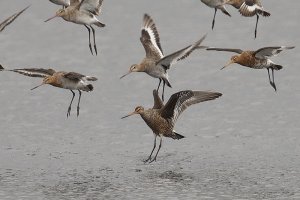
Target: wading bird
155,63
67,80
162,118
83,12
258,59
11,19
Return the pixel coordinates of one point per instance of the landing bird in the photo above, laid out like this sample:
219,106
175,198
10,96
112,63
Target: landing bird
67,80
83,12
249,8
155,63
11,19
258,59
162,118
216,4
64,3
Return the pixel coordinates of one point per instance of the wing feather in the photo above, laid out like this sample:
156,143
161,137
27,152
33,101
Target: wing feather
158,103
179,101
11,19
239,51
34,72
270,51
252,7
150,39
93,6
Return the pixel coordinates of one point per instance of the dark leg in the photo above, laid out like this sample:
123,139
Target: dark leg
154,159
78,102
213,22
274,86
90,45
95,47
158,84
69,109
162,96
255,32
149,158
271,81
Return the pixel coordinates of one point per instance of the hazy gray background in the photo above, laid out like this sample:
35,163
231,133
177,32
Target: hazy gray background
244,145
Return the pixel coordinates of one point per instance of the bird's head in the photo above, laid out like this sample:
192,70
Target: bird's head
233,59
137,110
60,13
46,80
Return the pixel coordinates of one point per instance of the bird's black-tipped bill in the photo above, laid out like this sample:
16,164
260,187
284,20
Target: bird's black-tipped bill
125,74
129,115
50,18
37,86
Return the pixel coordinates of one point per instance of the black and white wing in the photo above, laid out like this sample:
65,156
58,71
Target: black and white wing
179,101
252,7
150,39
168,60
65,3
93,6
239,51
270,51
158,103
11,19
34,72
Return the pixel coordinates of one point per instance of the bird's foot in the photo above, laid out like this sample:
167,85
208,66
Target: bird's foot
77,111
69,111
95,47
147,160
91,49
273,86
154,159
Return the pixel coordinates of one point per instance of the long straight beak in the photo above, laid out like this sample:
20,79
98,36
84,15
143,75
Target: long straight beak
37,86
231,62
129,114
125,74
50,18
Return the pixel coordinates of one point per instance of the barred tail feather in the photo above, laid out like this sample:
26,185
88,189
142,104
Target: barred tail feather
277,67
176,136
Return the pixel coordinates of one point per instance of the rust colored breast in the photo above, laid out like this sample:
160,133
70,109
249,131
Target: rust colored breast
247,59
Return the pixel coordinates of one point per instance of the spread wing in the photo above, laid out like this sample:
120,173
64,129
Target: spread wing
93,6
158,103
181,100
11,19
150,39
74,2
74,76
270,51
34,72
239,51
168,60
251,7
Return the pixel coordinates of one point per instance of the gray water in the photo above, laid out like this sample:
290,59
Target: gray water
244,145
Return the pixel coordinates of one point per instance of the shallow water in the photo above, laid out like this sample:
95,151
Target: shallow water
244,145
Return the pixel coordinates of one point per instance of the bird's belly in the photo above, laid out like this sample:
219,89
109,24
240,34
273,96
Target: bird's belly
156,72
212,3
82,18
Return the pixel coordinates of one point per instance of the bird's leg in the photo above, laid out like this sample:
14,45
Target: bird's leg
213,22
271,81
149,158
69,109
162,96
90,45
255,32
95,47
158,84
154,159
78,102
274,86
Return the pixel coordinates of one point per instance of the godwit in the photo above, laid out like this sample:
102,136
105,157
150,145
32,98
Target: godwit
162,118
249,8
64,3
216,4
11,19
155,63
83,12
67,80
258,59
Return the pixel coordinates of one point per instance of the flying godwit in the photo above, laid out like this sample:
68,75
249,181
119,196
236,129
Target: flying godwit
162,118
11,19
83,12
216,4
67,80
155,63
249,8
64,3
258,59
